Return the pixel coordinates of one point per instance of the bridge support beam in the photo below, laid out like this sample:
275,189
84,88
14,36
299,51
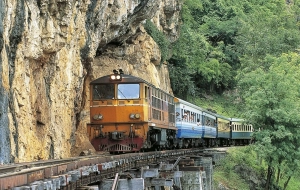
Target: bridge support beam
124,184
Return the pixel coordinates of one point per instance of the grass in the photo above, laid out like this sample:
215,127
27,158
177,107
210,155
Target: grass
225,174
232,181
228,104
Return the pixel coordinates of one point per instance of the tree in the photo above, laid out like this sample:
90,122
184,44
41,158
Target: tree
182,83
205,45
272,97
269,27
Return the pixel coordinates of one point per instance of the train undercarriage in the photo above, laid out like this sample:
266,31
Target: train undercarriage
157,139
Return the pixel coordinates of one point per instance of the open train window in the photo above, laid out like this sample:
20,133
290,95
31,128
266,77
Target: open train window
103,91
128,91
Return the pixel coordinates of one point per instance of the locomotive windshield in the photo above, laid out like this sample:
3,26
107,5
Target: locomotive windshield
128,91
103,91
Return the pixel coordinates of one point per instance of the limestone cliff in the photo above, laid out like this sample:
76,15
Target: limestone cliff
52,49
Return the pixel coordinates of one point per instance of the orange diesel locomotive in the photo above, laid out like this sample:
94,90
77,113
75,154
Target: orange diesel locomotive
128,114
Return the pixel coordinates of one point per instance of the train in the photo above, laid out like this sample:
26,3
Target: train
129,114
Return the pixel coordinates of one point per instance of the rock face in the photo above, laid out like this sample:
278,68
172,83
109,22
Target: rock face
52,49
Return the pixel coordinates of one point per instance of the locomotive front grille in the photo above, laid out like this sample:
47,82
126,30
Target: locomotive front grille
118,147
133,145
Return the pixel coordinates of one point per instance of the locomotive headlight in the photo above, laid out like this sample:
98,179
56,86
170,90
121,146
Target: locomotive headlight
116,77
112,77
98,117
134,116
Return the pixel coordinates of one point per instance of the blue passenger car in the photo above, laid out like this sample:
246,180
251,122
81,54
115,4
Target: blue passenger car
188,122
209,123
188,119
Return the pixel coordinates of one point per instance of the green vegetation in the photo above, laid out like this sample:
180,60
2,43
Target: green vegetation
226,104
225,173
234,181
272,98
246,52
159,38
252,169
221,40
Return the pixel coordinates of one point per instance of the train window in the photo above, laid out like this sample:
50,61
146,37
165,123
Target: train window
198,122
153,101
103,91
128,91
192,117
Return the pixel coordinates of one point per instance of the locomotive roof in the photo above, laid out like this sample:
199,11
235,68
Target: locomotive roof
125,79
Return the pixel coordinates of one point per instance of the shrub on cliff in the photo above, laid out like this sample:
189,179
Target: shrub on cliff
159,38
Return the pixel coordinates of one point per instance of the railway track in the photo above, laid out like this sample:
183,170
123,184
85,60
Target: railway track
79,171
12,168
